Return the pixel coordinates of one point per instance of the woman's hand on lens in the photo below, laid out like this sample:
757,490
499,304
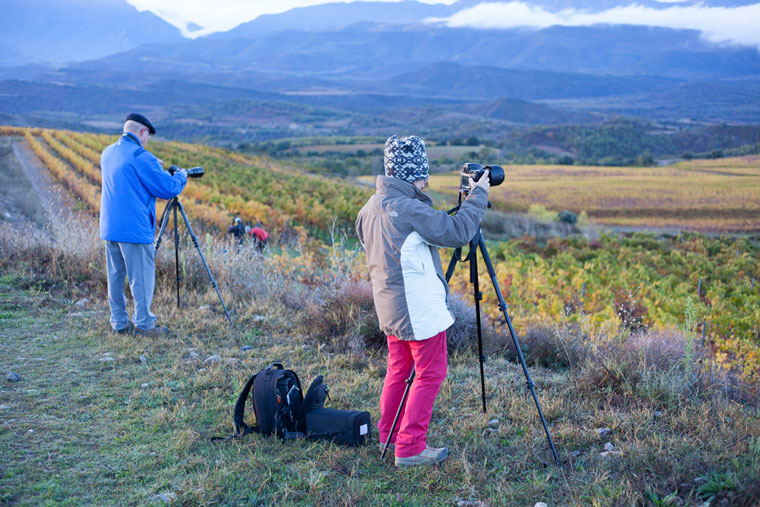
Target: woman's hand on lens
484,182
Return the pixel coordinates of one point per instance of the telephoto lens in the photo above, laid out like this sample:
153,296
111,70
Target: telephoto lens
476,171
195,172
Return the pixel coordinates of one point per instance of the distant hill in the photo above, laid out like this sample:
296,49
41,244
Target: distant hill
487,83
56,31
378,51
338,15
525,113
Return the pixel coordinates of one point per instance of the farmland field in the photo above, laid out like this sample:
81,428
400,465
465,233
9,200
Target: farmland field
700,195
714,280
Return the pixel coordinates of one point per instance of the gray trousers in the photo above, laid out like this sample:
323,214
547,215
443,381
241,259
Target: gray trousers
136,261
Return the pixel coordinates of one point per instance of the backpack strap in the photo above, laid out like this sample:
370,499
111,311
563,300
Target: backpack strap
237,419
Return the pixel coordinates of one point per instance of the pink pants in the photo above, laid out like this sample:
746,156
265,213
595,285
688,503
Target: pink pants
429,359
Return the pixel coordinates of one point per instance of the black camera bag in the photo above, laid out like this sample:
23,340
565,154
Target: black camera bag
346,427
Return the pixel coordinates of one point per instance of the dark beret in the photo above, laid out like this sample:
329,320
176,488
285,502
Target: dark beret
141,120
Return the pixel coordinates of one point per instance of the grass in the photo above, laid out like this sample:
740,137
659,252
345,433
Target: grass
124,429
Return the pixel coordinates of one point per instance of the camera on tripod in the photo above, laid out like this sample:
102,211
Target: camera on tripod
476,171
195,172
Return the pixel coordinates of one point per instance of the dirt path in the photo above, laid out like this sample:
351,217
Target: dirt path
29,195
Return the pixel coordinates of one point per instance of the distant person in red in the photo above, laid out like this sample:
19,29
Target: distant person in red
260,236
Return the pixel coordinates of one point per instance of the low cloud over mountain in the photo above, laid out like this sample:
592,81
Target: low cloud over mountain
719,24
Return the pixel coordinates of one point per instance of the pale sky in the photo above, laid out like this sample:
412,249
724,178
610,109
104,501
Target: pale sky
733,25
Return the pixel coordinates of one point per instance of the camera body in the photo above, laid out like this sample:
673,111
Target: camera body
476,171
194,172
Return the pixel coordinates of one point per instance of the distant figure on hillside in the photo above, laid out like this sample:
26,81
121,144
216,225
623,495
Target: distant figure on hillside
260,236
237,230
132,179
401,232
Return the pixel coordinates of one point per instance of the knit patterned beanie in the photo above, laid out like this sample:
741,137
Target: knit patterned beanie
406,159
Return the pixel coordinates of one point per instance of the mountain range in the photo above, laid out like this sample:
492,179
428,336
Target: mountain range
363,67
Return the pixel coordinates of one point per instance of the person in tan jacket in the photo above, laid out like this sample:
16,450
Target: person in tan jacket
401,232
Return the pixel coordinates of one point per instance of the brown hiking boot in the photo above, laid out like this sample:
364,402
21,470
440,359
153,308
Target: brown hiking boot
153,332
126,330
430,456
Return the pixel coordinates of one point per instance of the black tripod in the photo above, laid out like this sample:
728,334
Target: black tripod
174,204
478,243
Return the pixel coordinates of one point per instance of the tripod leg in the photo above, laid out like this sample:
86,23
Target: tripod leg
398,412
478,296
205,264
163,222
176,252
503,307
452,264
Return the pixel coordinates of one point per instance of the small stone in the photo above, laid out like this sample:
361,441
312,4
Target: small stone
212,360
193,349
30,432
145,384
607,454
203,370
493,423
540,504
168,497
106,359
4,407
609,447
194,355
259,318
143,360
603,431
246,347
231,360
658,413
490,431
575,454
13,377
82,302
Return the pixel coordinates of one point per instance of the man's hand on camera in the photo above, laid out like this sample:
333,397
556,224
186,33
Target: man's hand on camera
183,171
484,182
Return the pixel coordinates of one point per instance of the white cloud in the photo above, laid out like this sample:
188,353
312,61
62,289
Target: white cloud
736,25
222,15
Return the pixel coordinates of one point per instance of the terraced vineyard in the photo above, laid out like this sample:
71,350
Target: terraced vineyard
233,185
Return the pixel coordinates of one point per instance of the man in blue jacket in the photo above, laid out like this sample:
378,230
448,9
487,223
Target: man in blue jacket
132,179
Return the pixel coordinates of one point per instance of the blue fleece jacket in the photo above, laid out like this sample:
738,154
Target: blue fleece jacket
132,179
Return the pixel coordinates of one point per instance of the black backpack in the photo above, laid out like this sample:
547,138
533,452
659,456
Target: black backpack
277,399
282,410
